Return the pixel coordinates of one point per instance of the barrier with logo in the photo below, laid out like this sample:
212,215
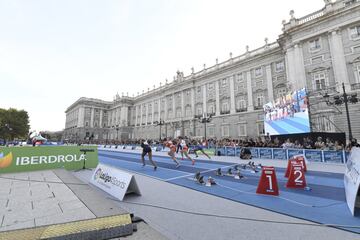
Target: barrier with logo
352,180
21,159
114,181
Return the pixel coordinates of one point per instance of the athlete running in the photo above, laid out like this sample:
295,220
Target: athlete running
199,147
147,150
172,151
184,150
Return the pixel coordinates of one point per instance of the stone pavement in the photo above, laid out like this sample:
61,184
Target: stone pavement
40,198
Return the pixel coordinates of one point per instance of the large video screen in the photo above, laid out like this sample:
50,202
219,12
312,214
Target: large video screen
288,114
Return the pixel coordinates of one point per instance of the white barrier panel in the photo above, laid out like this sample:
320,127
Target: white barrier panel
114,181
352,180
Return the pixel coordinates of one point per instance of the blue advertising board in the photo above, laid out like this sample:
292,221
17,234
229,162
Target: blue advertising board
265,153
294,152
220,151
279,153
230,151
313,155
238,150
333,157
254,152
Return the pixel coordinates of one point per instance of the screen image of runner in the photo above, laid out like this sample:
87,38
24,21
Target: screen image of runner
288,114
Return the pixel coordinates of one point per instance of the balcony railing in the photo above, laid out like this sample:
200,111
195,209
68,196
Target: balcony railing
241,109
355,86
224,112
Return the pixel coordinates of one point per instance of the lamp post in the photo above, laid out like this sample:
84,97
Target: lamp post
117,132
160,123
206,118
343,99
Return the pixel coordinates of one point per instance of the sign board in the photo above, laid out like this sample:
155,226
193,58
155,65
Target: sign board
24,159
333,156
230,151
114,181
254,152
352,180
313,155
294,152
297,176
279,153
265,153
268,182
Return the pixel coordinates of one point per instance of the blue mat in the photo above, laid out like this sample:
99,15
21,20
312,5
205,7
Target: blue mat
324,204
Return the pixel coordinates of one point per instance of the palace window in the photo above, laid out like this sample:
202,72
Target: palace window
242,130
225,107
315,45
258,72
224,82
210,86
319,81
241,103
225,131
260,100
355,32
260,128
280,92
279,66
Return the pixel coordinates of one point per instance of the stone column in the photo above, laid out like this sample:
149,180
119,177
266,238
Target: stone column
92,118
232,95
204,98
141,114
193,102
217,97
173,106
136,115
269,83
290,68
81,117
299,67
147,113
338,61
101,118
159,108
165,109
152,112
182,104
250,106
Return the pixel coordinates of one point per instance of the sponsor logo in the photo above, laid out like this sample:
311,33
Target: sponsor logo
5,161
51,159
102,176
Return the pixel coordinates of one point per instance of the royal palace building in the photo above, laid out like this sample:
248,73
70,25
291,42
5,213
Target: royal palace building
320,51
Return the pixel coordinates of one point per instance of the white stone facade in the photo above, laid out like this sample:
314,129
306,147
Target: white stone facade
319,51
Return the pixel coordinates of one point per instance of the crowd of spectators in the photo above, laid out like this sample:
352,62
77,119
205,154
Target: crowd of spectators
305,143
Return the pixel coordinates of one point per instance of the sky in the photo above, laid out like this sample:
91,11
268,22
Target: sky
52,52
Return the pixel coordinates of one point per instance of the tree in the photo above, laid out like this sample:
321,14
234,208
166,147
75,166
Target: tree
14,123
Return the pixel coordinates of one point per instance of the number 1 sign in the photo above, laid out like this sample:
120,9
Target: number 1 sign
268,182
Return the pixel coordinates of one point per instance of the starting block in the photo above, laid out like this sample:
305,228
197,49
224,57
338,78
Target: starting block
297,176
210,181
198,178
268,183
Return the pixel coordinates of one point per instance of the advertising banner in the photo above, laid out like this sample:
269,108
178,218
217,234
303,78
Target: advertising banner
279,153
254,152
334,156
230,151
313,155
210,151
220,151
294,152
237,151
265,153
352,180
21,159
114,181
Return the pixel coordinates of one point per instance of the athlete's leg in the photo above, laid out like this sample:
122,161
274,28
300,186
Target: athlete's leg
142,158
202,150
152,162
187,155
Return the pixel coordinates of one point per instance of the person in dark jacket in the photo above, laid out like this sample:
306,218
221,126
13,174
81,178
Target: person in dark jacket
147,150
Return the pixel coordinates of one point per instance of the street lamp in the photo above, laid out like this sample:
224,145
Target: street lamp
162,122
206,118
343,99
117,132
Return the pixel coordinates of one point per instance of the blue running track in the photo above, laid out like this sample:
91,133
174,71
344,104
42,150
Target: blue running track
324,204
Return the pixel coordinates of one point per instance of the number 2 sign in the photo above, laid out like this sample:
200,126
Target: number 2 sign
297,176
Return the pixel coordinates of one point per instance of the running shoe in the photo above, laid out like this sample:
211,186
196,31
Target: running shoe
177,165
155,168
